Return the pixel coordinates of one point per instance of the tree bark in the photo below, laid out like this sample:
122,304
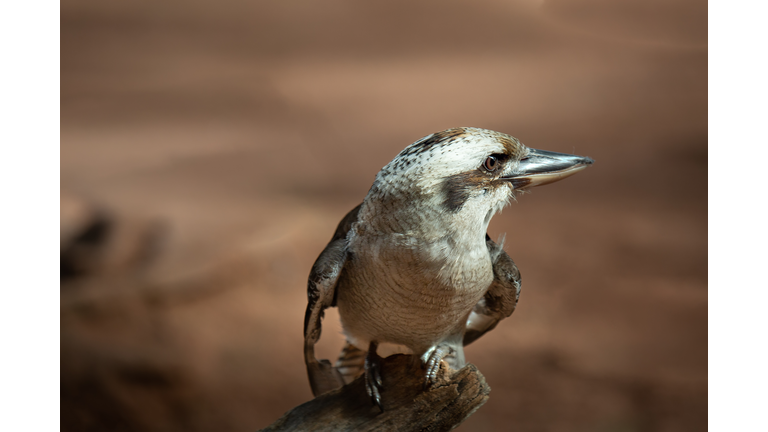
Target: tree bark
407,406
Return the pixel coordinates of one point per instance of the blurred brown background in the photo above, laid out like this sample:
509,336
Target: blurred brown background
208,150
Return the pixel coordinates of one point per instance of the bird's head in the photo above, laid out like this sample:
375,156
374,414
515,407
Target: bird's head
458,179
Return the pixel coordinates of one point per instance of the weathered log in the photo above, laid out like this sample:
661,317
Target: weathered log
407,405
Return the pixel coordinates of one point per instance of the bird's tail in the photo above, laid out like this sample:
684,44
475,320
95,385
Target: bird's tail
351,362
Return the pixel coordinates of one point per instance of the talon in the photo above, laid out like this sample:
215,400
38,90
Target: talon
433,364
373,382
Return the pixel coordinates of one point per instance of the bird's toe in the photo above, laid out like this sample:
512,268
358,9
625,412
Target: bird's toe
433,363
373,382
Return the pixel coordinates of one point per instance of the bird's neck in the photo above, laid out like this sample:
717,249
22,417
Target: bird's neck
426,222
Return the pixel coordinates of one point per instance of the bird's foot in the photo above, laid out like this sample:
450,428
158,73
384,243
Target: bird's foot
433,363
373,383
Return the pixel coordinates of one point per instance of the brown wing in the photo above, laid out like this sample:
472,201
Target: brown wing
321,294
501,298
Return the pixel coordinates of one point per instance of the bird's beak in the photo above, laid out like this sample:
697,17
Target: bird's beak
542,167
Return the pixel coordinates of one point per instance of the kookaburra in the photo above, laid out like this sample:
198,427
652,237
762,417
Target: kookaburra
413,265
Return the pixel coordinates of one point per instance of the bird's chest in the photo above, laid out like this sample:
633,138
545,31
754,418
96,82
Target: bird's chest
404,291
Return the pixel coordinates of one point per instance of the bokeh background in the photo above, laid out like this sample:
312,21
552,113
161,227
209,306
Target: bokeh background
208,150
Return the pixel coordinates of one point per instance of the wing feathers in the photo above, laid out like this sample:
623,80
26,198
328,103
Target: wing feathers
321,294
501,298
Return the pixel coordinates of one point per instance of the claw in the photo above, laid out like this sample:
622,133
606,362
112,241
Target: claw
373,382
433,364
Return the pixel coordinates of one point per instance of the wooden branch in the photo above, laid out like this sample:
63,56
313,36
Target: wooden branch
407,406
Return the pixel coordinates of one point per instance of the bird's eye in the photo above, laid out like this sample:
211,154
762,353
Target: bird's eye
491,163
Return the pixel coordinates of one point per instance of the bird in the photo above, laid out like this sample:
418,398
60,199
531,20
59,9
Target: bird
413,264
